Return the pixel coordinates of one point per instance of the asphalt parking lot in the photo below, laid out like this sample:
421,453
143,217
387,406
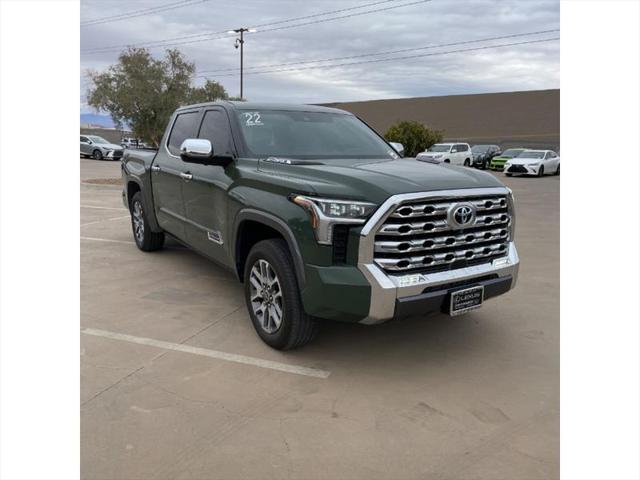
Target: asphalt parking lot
175,384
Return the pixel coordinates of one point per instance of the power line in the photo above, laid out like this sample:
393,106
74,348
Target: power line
196,35
140,13
388,52
406,57
211,35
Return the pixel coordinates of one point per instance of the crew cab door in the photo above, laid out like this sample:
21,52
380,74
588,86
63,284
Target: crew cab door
205,194
167,175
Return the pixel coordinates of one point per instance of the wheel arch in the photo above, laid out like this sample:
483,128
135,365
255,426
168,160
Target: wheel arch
265,225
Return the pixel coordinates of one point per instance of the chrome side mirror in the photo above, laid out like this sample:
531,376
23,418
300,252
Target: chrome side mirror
398,147
196,149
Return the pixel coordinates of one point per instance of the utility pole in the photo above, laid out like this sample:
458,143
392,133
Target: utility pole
240,43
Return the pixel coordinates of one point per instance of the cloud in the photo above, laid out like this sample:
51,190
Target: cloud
523,67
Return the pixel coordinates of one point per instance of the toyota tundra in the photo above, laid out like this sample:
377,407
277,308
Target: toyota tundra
320,217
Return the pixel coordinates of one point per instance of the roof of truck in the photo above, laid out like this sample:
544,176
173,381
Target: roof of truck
269,106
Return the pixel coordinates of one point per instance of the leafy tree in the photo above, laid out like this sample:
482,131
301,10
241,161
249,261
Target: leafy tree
143,92
414,136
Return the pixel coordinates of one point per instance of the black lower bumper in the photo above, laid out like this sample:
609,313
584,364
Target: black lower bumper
437,300
517,169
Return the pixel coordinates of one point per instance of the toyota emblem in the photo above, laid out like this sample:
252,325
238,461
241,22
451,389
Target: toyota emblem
462,215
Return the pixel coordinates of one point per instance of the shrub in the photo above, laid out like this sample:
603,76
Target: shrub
414,136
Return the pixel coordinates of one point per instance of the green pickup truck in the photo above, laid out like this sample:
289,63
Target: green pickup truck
320,217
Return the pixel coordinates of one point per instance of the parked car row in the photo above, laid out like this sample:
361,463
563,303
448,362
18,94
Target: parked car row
133,143
513,161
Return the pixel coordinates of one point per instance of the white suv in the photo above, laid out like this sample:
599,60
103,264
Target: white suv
454,153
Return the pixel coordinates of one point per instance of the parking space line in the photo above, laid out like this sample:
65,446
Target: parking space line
108,240
204,352
102,208
104,220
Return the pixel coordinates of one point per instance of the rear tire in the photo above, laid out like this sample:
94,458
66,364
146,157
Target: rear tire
508,174
273,297
145,239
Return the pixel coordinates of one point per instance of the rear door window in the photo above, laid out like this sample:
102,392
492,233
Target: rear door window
184,127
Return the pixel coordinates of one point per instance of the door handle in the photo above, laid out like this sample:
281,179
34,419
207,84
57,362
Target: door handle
155,168
186,176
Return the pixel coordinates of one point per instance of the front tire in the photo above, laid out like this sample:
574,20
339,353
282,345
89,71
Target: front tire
146,240
97,155
508,174
541,171
273,297
467,162
557,170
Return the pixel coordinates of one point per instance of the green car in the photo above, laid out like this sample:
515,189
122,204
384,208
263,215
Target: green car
497,163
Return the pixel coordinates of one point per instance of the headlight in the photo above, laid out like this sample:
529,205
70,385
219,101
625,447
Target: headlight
325,213
437,156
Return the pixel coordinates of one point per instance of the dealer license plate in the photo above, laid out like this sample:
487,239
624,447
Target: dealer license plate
465,300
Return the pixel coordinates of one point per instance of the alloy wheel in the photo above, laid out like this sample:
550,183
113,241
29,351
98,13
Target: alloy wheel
266,296
138,222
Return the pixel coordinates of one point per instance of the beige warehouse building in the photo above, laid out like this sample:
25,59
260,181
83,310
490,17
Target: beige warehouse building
529,119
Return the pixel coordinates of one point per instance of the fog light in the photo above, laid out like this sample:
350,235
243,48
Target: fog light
500,261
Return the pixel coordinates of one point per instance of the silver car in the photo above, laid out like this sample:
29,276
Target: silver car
98,148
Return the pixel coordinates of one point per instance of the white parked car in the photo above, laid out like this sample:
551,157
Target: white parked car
534,162
454,153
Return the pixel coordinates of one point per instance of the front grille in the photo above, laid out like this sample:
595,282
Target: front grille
417,236
117,153
517,169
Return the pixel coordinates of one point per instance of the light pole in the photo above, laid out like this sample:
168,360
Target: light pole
240,43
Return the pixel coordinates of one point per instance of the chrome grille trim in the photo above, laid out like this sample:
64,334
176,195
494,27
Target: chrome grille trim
417,236
398,229
444,241
434,209
438,259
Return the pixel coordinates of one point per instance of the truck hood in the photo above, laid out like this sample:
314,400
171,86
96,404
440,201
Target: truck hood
376,180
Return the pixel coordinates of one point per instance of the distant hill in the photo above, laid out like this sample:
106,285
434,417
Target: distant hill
95,119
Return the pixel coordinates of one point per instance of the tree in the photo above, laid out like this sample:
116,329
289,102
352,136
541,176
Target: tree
414,136
143,92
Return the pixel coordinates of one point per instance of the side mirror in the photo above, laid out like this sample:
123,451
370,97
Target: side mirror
454,150
200,150
398,147
89,142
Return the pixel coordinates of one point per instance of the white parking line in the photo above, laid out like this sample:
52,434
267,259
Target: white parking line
108,240
204,352
102,208
104,220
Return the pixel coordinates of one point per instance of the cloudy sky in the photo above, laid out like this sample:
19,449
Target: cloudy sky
194,27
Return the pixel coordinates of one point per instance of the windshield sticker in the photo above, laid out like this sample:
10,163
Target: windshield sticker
252,119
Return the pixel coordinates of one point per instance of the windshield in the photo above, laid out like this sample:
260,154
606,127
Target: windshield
439,148
310,135
480,148
512,152
96,139
531,155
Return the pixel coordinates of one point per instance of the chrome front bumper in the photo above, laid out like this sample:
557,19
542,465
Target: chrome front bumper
386,289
